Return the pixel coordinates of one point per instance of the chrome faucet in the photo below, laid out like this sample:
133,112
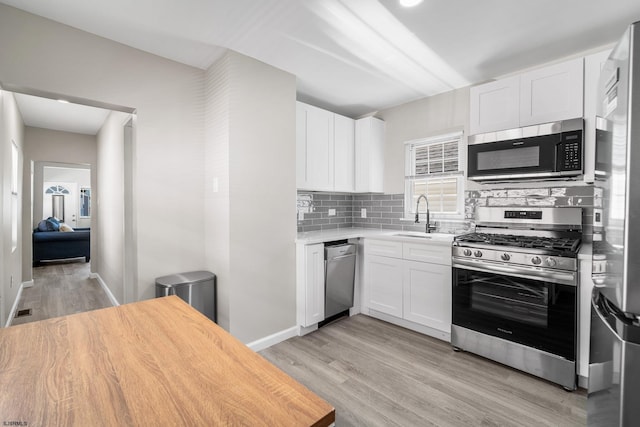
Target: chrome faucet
428,227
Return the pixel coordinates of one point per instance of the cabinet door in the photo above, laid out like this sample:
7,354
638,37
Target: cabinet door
314,284
494,106
432,253
369,173
388,248
344,150
315,148
592,66
383,284
427,294
552,93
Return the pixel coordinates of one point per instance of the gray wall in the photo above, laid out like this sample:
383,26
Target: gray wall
169,100
240,131
11,129
109,204
436,115
250,227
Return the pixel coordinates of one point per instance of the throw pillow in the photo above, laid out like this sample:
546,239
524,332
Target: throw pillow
65,227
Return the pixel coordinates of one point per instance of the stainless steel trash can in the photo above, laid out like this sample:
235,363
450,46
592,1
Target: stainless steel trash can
197,288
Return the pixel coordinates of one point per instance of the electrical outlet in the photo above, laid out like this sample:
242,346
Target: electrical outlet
363,213
332,212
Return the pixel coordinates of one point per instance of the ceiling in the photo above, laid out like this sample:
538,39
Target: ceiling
356,57
64,116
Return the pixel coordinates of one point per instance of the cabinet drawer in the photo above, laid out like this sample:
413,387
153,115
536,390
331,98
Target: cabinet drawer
383,248
437,254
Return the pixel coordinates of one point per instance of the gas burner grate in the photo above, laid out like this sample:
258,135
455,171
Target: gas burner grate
564,244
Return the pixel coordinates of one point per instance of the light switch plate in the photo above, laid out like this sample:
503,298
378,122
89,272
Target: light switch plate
332,212
363,213
300,215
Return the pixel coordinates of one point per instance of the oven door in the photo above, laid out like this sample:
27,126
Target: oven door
532,311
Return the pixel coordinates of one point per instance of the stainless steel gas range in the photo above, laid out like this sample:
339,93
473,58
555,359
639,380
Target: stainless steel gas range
515,289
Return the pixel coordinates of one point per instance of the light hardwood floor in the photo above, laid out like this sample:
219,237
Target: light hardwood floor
374,373
378,374
59,289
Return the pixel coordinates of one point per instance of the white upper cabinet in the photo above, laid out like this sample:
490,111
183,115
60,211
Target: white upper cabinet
495,105
592,66
369,174
315,149
552,93
539,96
325,144
344,153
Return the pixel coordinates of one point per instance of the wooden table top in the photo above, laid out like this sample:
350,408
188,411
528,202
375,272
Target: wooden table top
156,362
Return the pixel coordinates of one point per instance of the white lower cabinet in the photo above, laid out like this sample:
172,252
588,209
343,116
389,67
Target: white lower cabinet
413,292
427,294
310,284
384,284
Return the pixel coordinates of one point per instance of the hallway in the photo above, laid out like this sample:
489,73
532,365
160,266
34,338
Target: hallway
59,289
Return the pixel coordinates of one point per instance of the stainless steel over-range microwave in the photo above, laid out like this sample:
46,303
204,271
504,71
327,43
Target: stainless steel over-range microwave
549,150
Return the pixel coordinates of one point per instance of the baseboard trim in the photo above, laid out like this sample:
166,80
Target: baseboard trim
106,289
273,339
426,330
14,308
27,284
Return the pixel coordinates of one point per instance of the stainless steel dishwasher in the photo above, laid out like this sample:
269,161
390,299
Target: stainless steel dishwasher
340,268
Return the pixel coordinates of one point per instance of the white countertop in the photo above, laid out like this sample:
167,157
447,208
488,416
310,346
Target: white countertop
585,251
312,237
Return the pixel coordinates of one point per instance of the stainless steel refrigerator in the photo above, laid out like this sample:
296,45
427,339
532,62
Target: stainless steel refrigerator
614,363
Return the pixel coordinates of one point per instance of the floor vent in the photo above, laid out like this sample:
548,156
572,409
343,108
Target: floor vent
25,312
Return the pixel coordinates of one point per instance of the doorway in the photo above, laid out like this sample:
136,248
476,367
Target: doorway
71,190
66,195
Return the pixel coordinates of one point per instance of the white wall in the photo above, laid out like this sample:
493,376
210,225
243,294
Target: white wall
251,226
435,115
169,99
109,203
11,129
216,226
46,147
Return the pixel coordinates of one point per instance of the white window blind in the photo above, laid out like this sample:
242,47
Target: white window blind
433,168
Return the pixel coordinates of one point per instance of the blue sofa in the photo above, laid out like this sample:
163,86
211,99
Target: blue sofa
56,245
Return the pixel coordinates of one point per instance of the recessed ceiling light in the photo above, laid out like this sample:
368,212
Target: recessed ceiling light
410,3
63,101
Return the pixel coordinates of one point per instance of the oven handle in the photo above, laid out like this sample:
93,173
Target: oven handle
517,271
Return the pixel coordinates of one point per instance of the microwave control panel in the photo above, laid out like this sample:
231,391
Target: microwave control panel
570,152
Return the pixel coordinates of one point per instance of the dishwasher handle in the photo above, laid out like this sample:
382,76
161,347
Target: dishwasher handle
340,257
338,251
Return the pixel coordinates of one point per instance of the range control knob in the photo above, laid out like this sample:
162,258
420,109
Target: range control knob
551,262
536,260
505,257
466,252
477,254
